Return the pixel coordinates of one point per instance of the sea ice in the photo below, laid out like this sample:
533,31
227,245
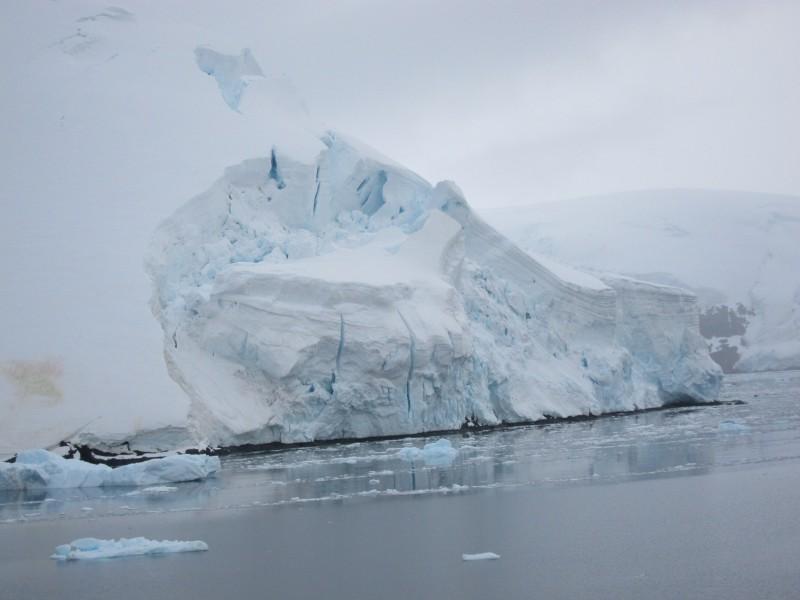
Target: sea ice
93,548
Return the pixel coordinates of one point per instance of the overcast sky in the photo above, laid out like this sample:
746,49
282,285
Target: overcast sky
523,102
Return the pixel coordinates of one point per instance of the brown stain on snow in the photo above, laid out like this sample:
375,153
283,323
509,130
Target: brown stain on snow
35,379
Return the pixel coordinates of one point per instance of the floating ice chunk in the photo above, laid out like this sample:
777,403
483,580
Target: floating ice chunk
40,469
733,427
171,469
440,452
93,548
480,556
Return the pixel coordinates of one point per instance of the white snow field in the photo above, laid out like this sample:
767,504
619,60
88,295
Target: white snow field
40,469
93,548
311,288
739,252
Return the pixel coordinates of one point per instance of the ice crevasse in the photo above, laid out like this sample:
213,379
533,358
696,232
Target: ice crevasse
347,297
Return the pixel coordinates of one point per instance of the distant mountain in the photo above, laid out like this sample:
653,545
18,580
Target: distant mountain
738,251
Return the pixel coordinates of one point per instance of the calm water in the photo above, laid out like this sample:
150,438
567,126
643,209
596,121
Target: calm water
701,502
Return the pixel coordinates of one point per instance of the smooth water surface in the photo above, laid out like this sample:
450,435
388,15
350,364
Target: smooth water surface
686,502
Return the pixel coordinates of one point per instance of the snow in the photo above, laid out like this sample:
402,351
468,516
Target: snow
737,251
438,453
480,556
40,469
93,548
298,285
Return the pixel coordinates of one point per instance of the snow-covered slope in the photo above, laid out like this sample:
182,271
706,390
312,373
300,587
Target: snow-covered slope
315,290
739,252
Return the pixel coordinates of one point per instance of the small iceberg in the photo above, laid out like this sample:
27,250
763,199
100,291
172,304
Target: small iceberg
40,469
733,427
93,548
480,556
438,453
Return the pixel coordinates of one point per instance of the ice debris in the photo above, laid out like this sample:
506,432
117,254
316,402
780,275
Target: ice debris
733,427
438,453
40,469
93,548
480,556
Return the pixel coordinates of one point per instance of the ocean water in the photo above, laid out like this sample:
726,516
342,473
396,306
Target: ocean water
686,502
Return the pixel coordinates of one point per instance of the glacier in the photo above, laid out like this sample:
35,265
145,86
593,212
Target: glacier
40,469
347,297
737,251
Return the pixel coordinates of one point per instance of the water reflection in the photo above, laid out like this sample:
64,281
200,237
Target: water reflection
657,444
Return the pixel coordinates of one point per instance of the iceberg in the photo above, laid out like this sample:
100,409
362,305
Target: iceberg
93,548
733,427
40,469
438,453
480,556
347,297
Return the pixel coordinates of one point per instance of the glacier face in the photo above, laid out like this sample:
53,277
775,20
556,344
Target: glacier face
347,297
737,251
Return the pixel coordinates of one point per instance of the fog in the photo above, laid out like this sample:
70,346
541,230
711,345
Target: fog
524,102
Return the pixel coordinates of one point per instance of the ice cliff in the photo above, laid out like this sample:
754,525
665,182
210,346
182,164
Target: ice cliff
347,297
738,251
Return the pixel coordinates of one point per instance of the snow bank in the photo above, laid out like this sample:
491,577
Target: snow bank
440,452
40,469
93,548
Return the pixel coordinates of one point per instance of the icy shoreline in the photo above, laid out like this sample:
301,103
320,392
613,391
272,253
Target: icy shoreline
100,456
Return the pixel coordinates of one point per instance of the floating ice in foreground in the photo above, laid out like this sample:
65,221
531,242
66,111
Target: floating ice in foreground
40,469
93,548
480,556
440,452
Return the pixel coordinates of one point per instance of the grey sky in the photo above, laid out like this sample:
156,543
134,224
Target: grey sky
523,102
